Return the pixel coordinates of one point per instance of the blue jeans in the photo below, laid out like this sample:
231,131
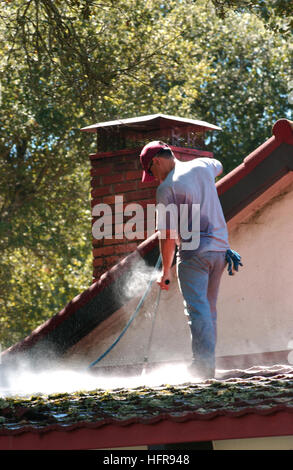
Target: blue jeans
199,279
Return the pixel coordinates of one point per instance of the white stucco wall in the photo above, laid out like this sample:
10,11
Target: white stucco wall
256,305
260,443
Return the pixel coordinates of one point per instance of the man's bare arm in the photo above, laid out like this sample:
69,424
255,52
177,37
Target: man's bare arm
167,249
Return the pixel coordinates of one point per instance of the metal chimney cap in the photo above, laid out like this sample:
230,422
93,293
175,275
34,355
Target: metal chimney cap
153,122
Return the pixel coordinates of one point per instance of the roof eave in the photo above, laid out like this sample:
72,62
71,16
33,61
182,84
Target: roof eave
83,436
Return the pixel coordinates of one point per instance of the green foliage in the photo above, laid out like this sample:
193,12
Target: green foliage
68,64
247,88
275,14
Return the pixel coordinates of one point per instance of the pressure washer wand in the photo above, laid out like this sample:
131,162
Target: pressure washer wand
146,358
158,264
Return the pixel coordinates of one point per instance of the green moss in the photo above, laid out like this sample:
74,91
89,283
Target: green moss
145,402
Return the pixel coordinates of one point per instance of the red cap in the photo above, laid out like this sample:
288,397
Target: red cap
147,154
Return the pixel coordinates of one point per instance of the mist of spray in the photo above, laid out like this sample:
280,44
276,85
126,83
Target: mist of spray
26,381
139,279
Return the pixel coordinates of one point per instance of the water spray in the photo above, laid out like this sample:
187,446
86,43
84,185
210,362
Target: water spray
27,381
136,312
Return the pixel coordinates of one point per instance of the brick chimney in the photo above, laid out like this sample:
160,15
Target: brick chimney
116,175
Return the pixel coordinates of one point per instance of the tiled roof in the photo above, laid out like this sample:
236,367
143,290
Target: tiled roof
267,164
256,391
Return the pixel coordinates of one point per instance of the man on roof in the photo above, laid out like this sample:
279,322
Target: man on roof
195,223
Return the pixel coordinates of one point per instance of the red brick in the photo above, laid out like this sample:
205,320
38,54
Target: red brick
117,160
126,248
96,201
114,178
97,243
112,241
104,251
124,187
134,175
104,170
109,199
101,191
123,153
127,166
98,262
111,260
137,196
96,182
100,163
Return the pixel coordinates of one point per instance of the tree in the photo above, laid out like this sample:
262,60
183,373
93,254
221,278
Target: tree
60,63
248,85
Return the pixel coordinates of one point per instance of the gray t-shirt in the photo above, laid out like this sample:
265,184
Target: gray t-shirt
192,184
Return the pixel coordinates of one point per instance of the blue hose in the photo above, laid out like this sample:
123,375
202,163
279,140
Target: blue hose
130,320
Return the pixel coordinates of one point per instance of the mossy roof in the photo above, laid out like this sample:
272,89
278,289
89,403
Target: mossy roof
234,396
